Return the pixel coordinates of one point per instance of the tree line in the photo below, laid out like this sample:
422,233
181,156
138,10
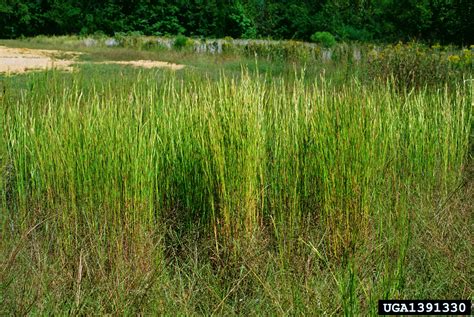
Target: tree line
443,21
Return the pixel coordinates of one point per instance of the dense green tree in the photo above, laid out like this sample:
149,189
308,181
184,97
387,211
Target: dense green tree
446,21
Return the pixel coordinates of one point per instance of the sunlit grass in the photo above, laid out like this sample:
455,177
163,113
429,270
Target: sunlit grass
265,175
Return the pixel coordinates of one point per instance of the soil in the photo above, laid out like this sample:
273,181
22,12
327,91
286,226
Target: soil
147,64
20,60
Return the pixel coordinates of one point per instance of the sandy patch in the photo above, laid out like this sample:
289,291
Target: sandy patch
147,64
20,60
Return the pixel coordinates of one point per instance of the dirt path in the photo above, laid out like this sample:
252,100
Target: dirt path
20,60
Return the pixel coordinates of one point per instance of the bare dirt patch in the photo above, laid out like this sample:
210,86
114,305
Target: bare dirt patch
147,64
20,60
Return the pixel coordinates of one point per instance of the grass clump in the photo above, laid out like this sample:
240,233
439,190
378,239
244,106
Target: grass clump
150,192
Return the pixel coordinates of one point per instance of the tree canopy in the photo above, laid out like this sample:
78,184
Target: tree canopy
444,21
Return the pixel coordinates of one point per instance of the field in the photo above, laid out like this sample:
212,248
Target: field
258,181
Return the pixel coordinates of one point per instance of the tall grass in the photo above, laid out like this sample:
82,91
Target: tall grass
319,169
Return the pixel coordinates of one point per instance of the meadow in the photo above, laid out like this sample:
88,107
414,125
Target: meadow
247,183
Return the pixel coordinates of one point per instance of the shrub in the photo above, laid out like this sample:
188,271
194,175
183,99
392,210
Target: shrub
180,42
415,65
324,38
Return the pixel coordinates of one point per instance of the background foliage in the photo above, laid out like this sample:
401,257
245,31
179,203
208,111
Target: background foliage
444,21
